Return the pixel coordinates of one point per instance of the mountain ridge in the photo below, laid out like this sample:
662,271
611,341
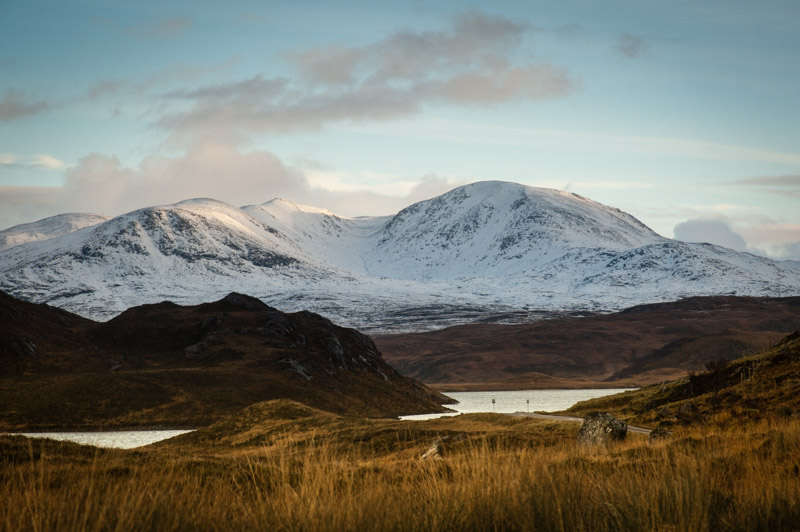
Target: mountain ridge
481,250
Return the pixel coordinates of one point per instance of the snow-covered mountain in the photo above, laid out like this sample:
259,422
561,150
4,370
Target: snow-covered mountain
47,228
486,250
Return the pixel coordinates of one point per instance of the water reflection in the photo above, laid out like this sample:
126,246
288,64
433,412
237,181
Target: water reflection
123,439
517,401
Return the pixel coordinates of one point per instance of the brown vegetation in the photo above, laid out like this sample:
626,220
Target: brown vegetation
752,387
170,365
283,466
638,346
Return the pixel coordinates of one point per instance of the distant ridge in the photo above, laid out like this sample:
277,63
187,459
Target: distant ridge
490,250
640,345
47,228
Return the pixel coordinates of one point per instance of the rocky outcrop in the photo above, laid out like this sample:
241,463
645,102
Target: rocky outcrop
600,428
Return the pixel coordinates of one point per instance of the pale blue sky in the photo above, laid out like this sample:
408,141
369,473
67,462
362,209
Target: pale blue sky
684,115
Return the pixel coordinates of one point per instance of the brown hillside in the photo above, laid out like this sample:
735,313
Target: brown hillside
166,364
644,344
763,385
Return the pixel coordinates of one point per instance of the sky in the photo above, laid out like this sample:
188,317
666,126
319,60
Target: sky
682,113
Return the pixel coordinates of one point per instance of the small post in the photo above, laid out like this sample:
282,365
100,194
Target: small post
492,404
529,405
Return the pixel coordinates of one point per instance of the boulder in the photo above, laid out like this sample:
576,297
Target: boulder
600,428
437,448
658,434
434,451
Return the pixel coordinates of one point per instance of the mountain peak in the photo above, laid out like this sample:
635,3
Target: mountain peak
485,248
244,302
280,203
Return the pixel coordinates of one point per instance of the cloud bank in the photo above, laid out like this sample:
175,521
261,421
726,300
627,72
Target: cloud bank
101,184
471,63
712,231
777,241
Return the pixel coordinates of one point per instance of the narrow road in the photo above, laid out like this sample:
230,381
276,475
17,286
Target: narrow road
637,430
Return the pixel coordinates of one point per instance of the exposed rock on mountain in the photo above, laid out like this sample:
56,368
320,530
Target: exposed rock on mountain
489,250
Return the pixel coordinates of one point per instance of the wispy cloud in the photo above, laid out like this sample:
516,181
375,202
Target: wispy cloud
104,88
167,28
785,185
474,39
472,62
630,46
8,160
466,131
608,185
569,32
15,105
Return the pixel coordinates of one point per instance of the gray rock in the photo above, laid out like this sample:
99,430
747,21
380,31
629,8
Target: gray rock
658,434
434,451
194,351
600,428
437,448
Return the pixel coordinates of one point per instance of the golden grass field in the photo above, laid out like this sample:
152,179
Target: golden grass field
283,466
732,462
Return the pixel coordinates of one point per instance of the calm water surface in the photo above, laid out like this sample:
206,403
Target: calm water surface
123,439
517,401
468,402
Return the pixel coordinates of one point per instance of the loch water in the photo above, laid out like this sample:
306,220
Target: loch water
468,402
517,401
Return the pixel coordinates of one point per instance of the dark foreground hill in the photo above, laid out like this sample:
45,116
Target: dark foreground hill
640,345
170,365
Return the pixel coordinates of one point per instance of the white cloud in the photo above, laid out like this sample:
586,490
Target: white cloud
753,234
46,161
36,161
711,231
789,251
102,184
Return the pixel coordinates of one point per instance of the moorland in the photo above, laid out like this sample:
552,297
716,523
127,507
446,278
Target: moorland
727,459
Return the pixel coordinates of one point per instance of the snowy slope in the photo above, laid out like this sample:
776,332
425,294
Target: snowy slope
488,249
47,228
496,228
